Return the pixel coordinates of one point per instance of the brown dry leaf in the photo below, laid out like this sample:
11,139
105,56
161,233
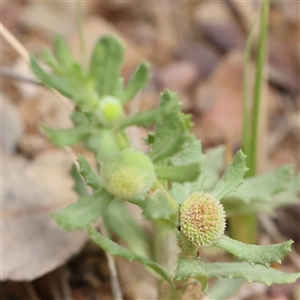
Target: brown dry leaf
44,108
51,17
218,24
220,100
32,242
201,55
12,127
140,284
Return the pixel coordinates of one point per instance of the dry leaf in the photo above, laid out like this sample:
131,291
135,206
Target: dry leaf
32,242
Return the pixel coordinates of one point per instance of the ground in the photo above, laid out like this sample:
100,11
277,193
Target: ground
195,49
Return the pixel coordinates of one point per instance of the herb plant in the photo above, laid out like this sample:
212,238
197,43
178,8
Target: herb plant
175,184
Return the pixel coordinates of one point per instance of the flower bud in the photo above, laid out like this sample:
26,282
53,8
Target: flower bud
202,219
129,176
110,109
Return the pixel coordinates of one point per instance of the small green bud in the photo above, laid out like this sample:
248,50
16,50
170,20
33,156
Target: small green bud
129,176
110,109
202,219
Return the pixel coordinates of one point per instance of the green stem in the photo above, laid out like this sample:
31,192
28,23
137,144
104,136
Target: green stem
166,252
244,228
260,62
246,133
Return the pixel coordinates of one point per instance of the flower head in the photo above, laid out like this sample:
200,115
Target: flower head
129,176
202,219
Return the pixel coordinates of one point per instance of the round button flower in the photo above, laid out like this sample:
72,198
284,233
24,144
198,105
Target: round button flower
202,219
129,176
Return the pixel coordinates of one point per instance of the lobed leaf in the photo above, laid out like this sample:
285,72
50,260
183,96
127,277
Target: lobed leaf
264,187
91,178
66,137
160,205
260,203
63,53
254,254
115,250
172,128
194,267
233,176
224,288
105,65
84,212
144,118
138,80
213,166
62,85
49,59
79,184
191,152
127,228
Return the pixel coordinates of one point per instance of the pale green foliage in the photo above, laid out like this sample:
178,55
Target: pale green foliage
232,178
253,254
84,212
158,182
114,249
194,267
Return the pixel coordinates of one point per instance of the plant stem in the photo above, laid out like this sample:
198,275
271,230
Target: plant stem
244,228
260,62
246,131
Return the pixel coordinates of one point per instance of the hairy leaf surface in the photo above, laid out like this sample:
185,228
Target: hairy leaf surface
84,212
172,128
115,250
66,137
138,81
127,228
91,178
233,176
254,254
105,66
194,267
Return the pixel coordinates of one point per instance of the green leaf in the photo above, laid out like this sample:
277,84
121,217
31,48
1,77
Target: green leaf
115,250
52,81
233,176
213,166
172,128
194,267
79,118
105,66
127,228
160,205
138,80
180,174
190,153
79,184
63,53
260,201
49,59
264,187
224,288
91,178
84,212
66,137
254,254
144,118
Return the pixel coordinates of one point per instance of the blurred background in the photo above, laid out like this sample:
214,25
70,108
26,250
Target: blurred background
195,48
